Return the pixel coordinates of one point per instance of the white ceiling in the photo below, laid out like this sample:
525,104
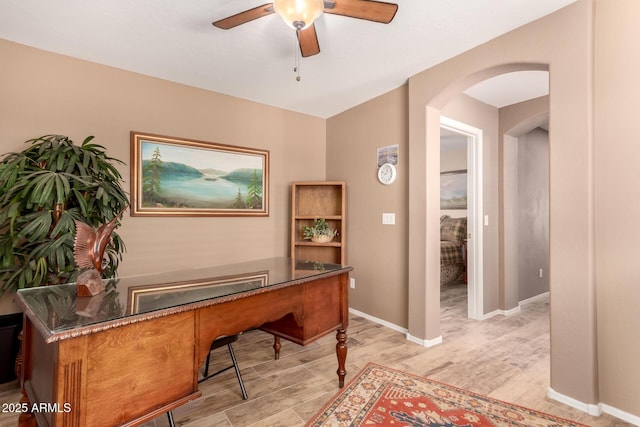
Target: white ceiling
174,40
511,88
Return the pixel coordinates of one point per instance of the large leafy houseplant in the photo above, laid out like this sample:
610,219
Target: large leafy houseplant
43,189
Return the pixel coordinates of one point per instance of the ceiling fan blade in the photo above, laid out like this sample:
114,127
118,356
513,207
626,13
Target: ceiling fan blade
244,17
308,40
371,10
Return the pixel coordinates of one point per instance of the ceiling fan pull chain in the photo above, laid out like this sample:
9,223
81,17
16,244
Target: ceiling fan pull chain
296,65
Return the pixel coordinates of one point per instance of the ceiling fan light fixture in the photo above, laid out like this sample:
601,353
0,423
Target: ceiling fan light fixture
298,14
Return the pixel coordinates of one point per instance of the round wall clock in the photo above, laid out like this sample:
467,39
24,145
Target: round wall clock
387,173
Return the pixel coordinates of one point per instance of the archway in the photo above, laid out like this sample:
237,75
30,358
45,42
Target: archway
560,43
429,213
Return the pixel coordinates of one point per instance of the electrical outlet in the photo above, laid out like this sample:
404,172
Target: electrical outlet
352,283
540,273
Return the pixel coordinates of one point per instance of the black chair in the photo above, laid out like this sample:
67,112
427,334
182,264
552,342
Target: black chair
217,343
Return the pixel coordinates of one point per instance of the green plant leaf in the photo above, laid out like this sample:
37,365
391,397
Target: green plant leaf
64,225
52,171
38,226
62,188
60,161
81,202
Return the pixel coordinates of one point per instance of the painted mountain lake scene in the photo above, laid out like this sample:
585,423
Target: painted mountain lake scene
175,176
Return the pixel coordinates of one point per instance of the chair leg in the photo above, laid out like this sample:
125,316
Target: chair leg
170,416
235,366
206,365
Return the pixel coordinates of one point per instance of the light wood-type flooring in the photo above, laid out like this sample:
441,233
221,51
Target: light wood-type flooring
503,357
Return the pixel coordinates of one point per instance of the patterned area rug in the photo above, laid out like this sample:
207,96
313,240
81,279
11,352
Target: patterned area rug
381,396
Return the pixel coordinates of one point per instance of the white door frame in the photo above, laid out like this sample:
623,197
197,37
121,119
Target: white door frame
475,217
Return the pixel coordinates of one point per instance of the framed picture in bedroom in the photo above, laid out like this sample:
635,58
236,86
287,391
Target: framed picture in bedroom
182,177
453,189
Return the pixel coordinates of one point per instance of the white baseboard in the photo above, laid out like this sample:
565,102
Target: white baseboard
624,416
589,408
539,297
511,312
423,342
405,331
501,313
516,310
594,409
379,321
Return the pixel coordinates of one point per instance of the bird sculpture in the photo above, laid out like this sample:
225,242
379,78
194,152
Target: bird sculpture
88,252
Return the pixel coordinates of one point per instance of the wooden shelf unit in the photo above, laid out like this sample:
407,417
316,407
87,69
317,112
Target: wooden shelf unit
318,199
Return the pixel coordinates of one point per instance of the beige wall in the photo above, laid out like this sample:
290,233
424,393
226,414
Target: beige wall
617,105
452,160
46,93
533,213
514,121
377,252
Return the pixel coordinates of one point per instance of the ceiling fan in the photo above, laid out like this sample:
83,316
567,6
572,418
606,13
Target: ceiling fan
296,15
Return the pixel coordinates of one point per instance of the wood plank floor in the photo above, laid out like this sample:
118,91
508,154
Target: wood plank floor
504,357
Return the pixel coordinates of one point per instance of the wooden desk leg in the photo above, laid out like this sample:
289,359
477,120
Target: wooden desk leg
26,419
341,352
276,346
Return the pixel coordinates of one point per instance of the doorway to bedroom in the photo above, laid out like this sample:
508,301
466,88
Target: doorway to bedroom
460,219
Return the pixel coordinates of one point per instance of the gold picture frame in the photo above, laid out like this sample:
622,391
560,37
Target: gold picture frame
183,177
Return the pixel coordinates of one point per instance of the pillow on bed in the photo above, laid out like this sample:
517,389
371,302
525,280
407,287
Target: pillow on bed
453,229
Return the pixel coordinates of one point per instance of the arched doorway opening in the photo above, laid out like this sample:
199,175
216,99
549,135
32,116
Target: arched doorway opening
522,118
425,249
561,45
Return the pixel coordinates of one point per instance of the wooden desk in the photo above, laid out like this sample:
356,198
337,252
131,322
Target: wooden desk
133,352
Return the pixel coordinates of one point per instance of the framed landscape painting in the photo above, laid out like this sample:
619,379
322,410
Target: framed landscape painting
182,177
453,189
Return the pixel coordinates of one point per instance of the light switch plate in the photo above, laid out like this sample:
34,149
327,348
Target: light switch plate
389,218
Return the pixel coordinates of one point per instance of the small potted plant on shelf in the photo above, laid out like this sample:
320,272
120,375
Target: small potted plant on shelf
319,232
